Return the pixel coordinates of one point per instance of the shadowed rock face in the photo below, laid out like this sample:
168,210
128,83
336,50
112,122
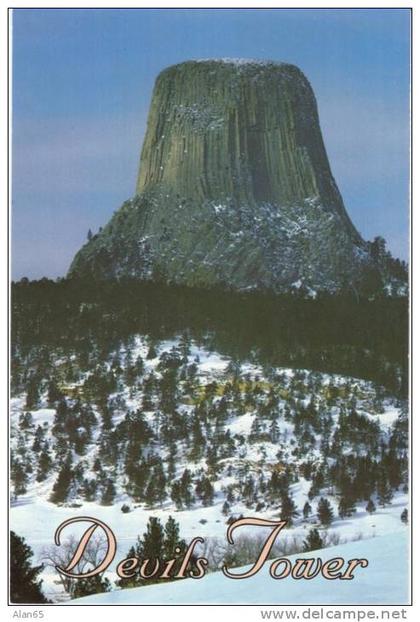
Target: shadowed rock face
234,187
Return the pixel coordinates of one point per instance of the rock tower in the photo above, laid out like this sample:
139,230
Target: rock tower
234,187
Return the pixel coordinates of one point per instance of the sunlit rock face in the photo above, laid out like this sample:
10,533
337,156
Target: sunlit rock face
234,187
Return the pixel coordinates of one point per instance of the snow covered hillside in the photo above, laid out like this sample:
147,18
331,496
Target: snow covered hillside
171,428
384,581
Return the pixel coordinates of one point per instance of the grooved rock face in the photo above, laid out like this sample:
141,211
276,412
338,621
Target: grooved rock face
234,187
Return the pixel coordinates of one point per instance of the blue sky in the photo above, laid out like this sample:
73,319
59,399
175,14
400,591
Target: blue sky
82,82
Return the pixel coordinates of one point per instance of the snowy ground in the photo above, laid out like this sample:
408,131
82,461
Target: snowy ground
383,582
36,518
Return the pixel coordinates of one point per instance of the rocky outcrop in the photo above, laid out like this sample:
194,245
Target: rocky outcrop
234,187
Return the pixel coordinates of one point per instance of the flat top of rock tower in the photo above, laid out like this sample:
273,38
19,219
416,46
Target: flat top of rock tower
242,65
239,61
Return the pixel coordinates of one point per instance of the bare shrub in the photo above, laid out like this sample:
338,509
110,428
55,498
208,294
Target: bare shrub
61,556
247,548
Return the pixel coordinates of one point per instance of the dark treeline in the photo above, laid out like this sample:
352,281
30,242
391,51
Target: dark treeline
335,334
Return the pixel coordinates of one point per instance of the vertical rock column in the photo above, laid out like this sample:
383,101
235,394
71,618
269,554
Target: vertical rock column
234,187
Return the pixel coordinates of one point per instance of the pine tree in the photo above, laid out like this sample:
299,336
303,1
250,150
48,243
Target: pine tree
384,490
19,478
230,497
54,393
159,542
171,464
325,512
185,489
44,465
176,495
404,516
274,432
225,508
160,482
39,437
92,585
151,546
26,421
108,494
197,440
172,540
89,489
205,491
288,509
152,352
346,507
312,493
25,587
156,487
370,507
131,581
63,482
248,489
314,541
32,395
307,510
